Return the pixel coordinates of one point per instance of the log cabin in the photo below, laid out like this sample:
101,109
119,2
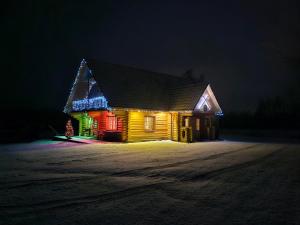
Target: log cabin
121,103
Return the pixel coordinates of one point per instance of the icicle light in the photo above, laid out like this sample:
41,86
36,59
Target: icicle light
92,103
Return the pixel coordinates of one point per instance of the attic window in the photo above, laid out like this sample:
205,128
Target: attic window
149,123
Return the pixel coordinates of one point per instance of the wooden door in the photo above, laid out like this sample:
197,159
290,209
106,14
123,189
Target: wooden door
174,127
207,127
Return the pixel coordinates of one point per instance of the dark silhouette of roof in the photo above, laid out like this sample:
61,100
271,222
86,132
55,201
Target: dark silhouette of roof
129,87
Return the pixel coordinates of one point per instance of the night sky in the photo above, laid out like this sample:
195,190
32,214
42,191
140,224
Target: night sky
247,50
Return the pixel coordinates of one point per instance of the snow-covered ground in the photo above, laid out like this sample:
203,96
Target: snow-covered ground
150,183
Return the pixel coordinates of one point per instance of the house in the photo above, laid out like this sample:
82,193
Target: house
114,102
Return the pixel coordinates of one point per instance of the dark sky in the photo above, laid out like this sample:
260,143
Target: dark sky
247,50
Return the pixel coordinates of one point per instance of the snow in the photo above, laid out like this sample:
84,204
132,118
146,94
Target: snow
163,182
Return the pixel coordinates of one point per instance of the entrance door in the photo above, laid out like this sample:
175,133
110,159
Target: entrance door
185,128
174,127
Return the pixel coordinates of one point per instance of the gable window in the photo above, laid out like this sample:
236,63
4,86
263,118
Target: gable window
149,123
112,122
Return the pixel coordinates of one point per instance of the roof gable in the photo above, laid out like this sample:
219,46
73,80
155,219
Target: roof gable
85,91
185,97
208,102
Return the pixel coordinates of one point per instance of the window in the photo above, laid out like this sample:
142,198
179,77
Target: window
197,124
95,128
112,122
185,121
149,123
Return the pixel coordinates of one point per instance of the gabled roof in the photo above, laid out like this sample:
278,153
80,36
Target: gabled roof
208,102
185,97
128,87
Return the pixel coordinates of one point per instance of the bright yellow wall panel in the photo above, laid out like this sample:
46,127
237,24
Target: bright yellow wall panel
136,126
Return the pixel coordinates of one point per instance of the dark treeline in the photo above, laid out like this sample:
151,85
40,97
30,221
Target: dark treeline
27,125
271,113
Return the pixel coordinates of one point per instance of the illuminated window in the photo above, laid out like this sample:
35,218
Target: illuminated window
149,123
197,124
95,127
185,121
112,122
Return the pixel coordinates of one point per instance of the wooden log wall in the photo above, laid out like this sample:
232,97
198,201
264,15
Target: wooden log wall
136,127
122,117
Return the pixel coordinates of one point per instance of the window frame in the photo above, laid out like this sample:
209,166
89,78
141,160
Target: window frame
186,122
198,122
112,122
153,124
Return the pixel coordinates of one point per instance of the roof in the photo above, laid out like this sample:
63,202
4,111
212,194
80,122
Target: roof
129,87
185,97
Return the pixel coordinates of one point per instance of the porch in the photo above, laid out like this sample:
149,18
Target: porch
99,125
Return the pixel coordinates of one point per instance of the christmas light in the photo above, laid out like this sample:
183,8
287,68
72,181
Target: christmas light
83,65
91,103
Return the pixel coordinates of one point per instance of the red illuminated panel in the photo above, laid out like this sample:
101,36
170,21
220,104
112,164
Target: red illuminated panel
111,123
106,121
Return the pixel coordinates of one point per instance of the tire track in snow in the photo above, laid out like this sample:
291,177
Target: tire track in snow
47,206
166,166
27,183
233,168
122,173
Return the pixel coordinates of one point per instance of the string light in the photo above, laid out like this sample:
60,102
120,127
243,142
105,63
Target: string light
91,103
83,65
